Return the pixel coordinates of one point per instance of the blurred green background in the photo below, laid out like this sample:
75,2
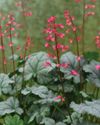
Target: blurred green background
43,9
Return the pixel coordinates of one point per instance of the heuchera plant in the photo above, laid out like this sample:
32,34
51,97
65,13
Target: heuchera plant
52,87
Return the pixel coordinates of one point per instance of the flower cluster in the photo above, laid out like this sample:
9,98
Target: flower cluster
90,9
54,36
71,27
26,11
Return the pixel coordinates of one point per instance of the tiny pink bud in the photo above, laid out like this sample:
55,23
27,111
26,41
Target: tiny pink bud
47,45
10,44
97,67
74,72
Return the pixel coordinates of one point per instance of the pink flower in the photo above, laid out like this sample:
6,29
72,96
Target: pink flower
58,46
47,63
52,56
74,72
0,27
51,19
68,22
70,40
48,30
18,4
1,34
2,47
28,14
50,38
89,6
5,61
14,23
12,29
3,18
64,65
74,28
97,40
78,38
61,35
67,31
65,48
78,58
18,48
89,14
97,67
47,45
58,65
59,97
10,44
66,13
59,26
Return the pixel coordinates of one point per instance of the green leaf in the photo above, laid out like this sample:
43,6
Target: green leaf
60,123
40,91
39,112
11,105
48,121
26,91
87,123
13,120
68,87
76,118
33,117
92,108
84,94
73,64
35,67
5,84
46,95
94,74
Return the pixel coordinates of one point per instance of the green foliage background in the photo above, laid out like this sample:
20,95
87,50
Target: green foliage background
42,9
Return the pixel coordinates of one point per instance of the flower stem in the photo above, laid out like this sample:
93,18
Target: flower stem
3,53
58,60
12,49
83,28
77,45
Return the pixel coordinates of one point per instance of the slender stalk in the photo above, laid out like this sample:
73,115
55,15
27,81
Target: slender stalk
83,28
26,34
77,45
78,52
59,73
97,92
57,108
85,87
12,49
4,66
58,60
3,52
94,91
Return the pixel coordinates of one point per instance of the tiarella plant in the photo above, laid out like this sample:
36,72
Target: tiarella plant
51,87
